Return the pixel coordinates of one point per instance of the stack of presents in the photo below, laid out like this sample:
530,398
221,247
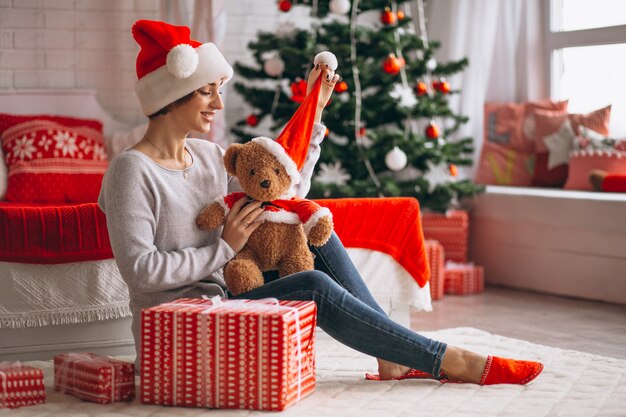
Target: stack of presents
446,246
247,354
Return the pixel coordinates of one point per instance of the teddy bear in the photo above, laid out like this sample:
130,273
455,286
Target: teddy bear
268,171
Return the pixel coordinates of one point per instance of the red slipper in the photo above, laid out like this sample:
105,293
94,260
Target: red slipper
509,371
412,374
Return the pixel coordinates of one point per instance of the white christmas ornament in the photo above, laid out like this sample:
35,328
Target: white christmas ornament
182,60
560,144
286,30
332,174
395,159
404,96
274,66
339,6
436,175
431,64
328,58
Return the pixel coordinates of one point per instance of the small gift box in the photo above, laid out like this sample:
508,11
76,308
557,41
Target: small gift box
248,354
95,378
451,230
20,385
463,279
435,254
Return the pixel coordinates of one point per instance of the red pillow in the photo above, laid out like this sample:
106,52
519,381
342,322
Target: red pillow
554,140
52,159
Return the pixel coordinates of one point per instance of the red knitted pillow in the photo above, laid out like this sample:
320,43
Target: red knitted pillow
52,159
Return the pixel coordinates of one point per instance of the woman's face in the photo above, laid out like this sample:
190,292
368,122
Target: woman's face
198,113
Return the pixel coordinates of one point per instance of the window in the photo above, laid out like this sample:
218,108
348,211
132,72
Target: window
586,40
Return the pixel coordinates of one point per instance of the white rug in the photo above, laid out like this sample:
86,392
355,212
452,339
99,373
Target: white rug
572,384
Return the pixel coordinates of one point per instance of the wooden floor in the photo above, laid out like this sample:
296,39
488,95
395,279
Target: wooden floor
586,326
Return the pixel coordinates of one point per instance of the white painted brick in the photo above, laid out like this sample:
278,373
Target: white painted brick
60,59
6,39
60,19
44,79
120,5
12,18
18,59
100,39
91,20
48,39
104,60
6,79
44,4
152,5
122,82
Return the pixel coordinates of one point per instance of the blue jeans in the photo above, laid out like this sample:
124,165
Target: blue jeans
348,312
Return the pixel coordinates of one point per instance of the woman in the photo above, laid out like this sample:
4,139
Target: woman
152,193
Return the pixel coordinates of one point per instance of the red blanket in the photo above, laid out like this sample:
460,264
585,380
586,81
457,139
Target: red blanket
389,225
52,234
49,234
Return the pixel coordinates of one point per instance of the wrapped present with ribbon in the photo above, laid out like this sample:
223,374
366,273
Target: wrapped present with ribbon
451,229
20,385
463,278
436,260
95,378
246,354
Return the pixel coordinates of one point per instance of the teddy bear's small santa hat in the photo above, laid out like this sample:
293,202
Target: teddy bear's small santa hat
171,65
292,145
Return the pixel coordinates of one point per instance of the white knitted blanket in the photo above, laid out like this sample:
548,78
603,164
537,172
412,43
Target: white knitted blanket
572,384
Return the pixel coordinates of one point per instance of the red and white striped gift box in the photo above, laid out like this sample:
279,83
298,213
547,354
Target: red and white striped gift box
248,354
451,230
462,279
95,378
20,385
436,259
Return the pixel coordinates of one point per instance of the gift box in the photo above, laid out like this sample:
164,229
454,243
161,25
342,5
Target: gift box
20,385
451,230
95,378
463,279
248,354
436,255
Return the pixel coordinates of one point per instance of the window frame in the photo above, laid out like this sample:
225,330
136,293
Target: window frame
556,40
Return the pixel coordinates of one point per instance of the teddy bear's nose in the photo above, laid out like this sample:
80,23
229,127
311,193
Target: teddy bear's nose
265,183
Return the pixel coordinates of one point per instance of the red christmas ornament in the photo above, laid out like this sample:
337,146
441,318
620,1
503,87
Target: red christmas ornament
327,132
388,17
454,170
432,130
400,15
392,64
284,5
362,132
442,86
298,90
252,120
421,88
341,87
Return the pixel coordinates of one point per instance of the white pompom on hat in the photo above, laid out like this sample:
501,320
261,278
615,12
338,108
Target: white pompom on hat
171,65
326,57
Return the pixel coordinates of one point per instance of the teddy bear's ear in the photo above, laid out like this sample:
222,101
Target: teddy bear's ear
230,158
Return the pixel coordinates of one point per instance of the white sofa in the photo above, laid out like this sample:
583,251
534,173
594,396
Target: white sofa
570,243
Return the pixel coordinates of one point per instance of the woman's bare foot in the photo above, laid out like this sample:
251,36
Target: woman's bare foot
463,365
389,370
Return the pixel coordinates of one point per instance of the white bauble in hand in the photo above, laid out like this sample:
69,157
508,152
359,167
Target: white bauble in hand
339,6
274,66
395,159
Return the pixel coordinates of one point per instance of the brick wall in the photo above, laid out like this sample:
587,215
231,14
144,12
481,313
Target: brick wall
87,44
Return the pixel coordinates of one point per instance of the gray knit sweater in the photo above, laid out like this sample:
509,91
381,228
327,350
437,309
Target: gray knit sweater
151,210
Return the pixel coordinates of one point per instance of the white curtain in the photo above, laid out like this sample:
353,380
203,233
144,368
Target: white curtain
503,42
207,20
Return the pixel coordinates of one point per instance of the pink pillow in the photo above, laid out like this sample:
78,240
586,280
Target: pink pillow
52,159
501,166
582,162
554,140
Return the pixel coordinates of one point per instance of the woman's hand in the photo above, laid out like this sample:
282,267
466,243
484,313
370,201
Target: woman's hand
329,79
240,223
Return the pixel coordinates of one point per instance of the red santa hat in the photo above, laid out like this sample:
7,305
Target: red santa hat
292,145
171,65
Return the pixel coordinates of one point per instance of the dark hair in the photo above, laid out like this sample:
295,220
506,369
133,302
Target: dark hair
173,105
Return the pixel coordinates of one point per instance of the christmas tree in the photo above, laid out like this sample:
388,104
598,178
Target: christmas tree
390,126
